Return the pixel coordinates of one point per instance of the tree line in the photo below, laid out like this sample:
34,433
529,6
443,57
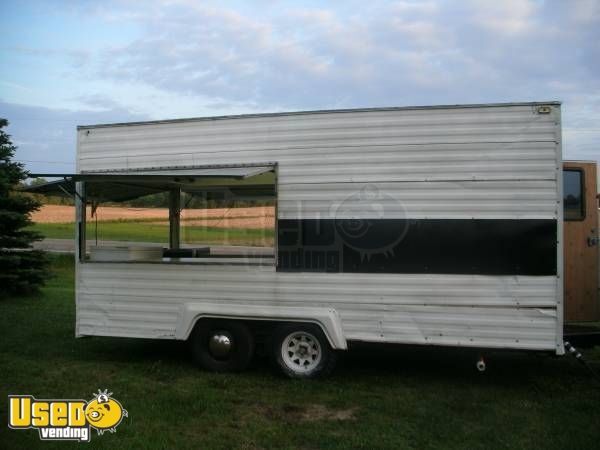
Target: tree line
158,200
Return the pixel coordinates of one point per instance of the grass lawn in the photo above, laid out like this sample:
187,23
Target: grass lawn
143,231
389,398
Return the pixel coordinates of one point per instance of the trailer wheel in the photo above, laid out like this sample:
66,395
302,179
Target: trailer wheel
302,351
222,345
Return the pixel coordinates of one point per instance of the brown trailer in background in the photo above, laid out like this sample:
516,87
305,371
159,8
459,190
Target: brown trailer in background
581,257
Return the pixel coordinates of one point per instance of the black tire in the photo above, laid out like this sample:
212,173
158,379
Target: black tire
298,367
238,357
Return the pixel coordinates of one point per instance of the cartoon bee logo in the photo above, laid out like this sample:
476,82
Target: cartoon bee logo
104,412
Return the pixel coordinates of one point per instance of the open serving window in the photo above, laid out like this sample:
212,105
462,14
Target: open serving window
205,215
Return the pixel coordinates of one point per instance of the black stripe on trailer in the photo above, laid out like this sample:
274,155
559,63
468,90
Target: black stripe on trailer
437,246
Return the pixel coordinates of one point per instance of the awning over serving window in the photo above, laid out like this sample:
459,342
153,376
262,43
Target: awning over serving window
127,185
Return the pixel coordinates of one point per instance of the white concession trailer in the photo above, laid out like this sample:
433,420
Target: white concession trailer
435,225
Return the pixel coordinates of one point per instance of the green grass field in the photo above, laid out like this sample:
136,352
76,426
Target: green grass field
392,398
144,231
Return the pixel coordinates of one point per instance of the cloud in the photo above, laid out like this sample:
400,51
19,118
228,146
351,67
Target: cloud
507,17
74,57
209,58
101,102
216,53
392,54
310,58
581,129
585,11
415,6
46,137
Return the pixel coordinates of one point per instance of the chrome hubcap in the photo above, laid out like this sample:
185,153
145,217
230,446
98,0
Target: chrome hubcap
301,351
220,344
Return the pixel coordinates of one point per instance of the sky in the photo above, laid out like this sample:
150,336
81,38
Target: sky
68,63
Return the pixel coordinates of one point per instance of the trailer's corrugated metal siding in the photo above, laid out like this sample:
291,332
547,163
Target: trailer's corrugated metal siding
334,154
446,144
423,200
458,163
145,300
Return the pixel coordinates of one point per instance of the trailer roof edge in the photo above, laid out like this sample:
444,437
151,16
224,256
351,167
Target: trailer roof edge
319,111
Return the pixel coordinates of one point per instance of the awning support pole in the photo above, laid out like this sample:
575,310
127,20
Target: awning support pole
70,193
80,219
174,218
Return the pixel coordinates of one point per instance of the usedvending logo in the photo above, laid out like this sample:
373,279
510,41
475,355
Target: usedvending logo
66,420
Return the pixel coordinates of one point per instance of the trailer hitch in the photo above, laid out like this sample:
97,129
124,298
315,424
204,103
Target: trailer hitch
480,364
579,357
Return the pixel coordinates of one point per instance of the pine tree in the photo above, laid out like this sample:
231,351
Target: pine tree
22,270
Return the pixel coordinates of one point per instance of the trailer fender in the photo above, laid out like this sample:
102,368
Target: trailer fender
327,318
